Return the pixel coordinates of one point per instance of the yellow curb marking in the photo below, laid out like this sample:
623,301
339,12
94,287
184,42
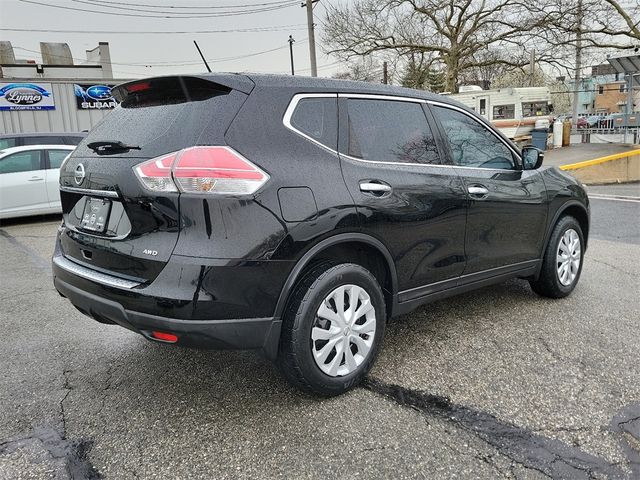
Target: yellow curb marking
597,161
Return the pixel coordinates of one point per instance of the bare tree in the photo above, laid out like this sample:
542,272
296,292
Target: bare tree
596,27
366,69
449,34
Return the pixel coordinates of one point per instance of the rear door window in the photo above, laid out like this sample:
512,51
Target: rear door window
318,119
56,157
21,162
390,131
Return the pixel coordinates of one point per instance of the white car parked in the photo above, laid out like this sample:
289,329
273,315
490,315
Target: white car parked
29,179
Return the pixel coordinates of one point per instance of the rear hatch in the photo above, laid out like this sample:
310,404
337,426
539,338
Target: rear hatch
112,223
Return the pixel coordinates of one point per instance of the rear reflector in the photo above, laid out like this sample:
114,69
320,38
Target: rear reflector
217,170
165,337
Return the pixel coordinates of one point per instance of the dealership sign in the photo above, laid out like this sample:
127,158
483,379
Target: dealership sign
26,96
98,97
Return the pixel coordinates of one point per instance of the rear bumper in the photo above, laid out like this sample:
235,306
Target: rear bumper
246,333
224,305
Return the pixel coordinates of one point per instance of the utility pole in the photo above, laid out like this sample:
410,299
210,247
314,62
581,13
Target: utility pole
532,68
629,106
312,38
576,83
291,40
385,73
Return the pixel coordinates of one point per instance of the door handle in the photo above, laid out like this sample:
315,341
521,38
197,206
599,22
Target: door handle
36,179
478,191
374,187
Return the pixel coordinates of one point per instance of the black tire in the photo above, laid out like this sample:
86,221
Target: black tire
548,283
295,356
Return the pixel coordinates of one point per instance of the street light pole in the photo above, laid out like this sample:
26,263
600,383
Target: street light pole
291,40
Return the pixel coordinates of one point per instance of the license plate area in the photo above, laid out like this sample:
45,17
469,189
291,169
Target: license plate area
96,215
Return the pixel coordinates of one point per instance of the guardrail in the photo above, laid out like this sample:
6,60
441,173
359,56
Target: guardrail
633,132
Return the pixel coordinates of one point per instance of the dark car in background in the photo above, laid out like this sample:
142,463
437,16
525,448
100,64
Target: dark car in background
23,139
298,215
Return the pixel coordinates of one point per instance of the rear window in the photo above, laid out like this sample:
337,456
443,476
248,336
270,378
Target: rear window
390,131
166,120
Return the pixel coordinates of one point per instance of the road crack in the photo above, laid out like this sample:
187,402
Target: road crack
548,456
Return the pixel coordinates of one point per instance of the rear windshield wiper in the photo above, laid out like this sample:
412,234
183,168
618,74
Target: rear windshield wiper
105,148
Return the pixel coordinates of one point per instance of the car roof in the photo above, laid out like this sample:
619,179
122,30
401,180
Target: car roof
246,81
337,85
44,134
26,148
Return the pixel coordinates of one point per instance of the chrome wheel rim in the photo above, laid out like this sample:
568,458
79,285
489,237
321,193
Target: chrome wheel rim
568,257
343,330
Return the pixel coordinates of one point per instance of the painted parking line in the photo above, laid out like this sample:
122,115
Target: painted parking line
615,198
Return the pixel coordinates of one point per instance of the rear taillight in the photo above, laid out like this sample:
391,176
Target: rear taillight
219,170
155,174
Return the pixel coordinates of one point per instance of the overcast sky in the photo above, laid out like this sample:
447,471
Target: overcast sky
136,55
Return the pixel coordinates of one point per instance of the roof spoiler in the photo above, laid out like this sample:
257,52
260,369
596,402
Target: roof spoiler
183,85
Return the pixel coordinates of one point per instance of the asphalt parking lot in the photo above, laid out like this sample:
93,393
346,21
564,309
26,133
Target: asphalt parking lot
498,383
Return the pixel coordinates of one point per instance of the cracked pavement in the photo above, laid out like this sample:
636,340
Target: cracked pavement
498,383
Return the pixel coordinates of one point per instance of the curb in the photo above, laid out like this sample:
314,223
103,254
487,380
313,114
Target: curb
598,161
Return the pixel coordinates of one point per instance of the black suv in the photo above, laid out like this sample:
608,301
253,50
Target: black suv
297,215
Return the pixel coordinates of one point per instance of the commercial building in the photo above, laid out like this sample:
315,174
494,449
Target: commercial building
58,94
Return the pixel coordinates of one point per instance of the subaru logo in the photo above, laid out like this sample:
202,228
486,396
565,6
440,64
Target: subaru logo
99,92
79,174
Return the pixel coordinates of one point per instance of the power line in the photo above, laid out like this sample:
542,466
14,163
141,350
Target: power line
173,16
201,7
275,28
177,63
230,11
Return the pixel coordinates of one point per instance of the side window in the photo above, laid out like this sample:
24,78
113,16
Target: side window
48,140
504,112
390,131
472,144
7,142
56,157
21,162
73,140
533,109
317,118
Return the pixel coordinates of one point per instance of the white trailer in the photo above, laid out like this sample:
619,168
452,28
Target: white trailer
514,111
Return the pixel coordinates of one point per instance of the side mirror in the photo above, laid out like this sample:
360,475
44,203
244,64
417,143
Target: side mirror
532,158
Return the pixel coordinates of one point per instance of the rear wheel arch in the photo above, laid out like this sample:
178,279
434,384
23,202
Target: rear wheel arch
356,248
